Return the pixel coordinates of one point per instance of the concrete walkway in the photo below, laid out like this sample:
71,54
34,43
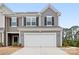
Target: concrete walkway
40,51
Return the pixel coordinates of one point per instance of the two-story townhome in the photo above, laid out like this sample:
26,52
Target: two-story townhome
39,29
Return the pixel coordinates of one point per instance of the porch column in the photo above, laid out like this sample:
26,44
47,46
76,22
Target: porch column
6,39
60,38
19,37
3,38
40,20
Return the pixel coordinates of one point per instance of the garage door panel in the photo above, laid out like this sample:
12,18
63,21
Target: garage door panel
40,39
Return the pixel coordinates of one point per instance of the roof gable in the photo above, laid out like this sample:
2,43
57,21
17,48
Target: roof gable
5,10
49,6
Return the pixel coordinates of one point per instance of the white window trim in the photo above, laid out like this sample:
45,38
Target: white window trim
30,20
48,16
47,19
16,22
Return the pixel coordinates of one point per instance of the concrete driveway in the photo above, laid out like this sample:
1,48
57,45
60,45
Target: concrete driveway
40,51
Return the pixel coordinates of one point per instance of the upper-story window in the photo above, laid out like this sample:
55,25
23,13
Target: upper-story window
49,20
13,22
30,21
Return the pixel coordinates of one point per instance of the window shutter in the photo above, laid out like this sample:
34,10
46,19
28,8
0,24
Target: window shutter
24,21
10,20
17,21
45,20
52,20
37,21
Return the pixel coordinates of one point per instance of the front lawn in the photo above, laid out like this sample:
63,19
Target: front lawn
71,50
8,50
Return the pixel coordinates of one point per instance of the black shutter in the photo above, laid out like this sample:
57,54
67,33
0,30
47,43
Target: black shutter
52,20
37,21
10,20
17,21
45,21
24,21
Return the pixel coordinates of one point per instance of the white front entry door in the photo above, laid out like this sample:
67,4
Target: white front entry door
40,39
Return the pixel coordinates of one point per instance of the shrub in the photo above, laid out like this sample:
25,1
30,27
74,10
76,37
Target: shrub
19,45
64,44
1,45
77,43
15,44
68,42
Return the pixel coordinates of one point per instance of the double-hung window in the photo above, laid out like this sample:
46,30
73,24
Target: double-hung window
13,22
49,21
34,21
30,21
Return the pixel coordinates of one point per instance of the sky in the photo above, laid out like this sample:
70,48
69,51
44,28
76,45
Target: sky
69,12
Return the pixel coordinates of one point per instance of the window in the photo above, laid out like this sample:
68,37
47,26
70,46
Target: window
13,22
33,21
49,21
30,21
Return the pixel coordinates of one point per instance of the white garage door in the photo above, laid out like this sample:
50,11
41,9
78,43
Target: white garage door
40,39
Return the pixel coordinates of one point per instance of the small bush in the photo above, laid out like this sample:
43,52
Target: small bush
19,45
15,44
70,42
1,45
65,43
77,43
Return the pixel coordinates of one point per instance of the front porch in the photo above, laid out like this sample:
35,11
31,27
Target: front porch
13,38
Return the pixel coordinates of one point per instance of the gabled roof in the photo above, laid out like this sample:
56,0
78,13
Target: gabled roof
5,9
51,7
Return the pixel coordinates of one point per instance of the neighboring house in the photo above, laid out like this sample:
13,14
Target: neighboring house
30,28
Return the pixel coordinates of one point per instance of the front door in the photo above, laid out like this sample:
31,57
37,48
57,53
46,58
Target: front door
14,39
